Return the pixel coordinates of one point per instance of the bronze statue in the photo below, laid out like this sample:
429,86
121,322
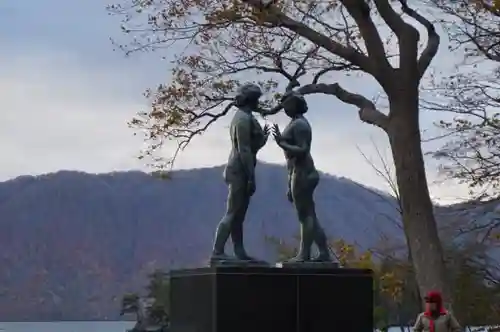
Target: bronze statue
303,178
247,138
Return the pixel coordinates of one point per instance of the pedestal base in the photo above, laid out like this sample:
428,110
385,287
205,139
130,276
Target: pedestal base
270,299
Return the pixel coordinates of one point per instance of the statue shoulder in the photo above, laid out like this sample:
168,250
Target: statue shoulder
242,119
301,125
304,122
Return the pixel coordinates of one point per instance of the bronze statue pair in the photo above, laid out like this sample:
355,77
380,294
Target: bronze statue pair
247,138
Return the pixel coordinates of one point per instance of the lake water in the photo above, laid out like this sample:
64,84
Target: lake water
81,327
89,327
66,327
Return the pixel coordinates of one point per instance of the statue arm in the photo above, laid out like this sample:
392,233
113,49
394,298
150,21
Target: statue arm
289,166
272,111
262,137
244,139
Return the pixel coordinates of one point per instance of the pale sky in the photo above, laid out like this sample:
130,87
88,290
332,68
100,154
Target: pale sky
66,96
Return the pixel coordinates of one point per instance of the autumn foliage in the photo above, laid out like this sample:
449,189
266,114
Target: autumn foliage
390,277
475,281
226,43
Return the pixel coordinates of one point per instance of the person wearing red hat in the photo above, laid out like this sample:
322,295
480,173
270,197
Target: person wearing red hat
435,318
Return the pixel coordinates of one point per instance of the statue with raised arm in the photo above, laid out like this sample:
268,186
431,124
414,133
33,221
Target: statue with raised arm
247,138
303,178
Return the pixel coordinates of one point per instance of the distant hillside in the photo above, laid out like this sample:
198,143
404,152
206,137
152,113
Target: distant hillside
72,243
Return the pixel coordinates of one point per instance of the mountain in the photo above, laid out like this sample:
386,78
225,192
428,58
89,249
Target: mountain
71,243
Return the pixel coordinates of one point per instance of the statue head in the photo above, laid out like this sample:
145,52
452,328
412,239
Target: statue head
294,104
248,95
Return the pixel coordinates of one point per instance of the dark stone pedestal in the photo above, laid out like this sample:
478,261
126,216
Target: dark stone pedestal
269,299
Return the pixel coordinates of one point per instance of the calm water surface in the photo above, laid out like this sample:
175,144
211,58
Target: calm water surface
101,327
66,327
82,327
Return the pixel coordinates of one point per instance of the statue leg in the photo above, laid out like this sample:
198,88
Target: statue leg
320,239
319,234
303,200
237,228
235,200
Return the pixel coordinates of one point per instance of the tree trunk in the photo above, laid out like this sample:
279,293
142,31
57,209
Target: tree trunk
418,215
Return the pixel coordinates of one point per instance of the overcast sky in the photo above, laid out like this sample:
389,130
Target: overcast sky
66,96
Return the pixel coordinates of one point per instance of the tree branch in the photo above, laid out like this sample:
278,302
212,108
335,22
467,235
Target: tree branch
278,70
433,38
329,69
472,23
300,71
368,113
487,50
274,16
360,11
393,20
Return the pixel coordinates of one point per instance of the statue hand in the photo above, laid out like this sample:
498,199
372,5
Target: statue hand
277,133
266,130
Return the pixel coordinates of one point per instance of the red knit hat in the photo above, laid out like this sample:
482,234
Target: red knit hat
434,297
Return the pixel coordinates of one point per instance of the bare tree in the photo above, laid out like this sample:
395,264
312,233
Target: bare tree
468,239
384,170
473,26
224,42
471,153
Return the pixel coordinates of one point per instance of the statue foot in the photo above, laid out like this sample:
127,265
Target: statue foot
220,258
322,258
243,256
226,260
297,259
322,261
245,259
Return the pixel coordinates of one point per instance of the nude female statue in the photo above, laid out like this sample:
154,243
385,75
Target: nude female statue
247,138
303,178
